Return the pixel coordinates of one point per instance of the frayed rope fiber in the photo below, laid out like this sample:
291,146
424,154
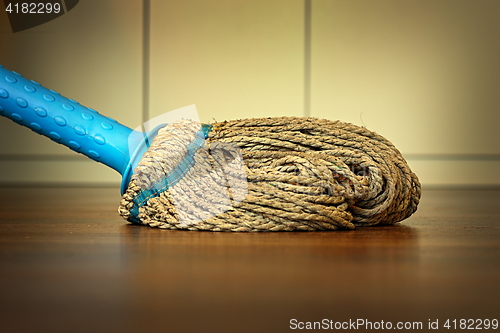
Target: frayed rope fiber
299,174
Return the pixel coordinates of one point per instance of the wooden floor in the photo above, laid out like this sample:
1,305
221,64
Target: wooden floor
69,263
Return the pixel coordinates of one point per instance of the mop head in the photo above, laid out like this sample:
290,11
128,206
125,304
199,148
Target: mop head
270,174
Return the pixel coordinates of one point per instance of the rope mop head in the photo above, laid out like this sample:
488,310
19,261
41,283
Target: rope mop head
263,174
270,174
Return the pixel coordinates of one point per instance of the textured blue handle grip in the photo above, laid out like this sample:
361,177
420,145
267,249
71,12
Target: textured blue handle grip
63,120
67,122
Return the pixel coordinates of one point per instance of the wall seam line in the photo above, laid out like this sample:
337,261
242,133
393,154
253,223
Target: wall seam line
307,57
146,44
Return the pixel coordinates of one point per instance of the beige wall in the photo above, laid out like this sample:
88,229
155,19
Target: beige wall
423,73
233,59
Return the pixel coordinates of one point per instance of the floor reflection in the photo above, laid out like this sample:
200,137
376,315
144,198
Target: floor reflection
206,268
144,246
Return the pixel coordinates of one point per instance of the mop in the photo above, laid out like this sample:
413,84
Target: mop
260,174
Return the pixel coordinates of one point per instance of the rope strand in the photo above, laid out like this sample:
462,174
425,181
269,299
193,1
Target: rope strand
301,174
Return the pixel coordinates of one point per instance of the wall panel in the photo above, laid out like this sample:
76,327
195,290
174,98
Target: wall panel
232,58
425,74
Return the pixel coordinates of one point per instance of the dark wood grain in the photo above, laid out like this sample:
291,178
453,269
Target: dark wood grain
69,263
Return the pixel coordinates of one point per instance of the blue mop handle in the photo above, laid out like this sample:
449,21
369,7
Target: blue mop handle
67,122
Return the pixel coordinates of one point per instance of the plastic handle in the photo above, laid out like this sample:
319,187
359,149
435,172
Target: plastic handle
64,120
67,122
